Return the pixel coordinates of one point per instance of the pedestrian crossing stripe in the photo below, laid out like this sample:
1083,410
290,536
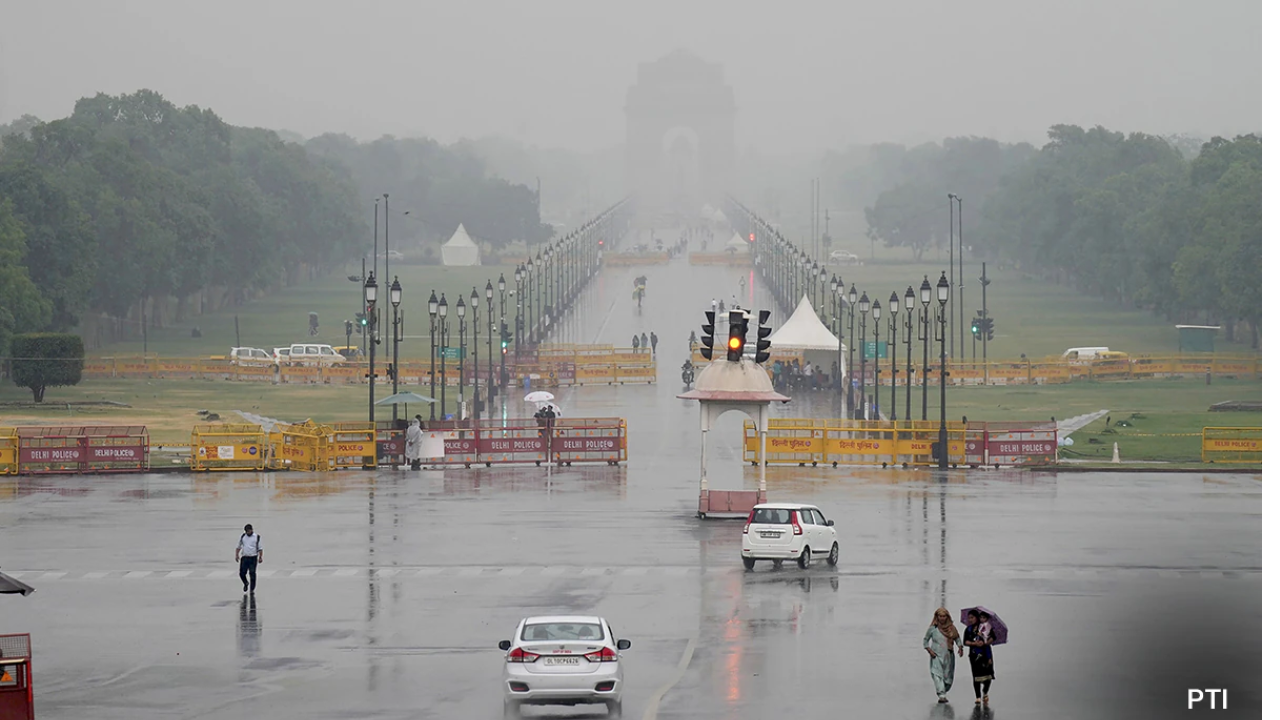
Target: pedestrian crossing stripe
483,572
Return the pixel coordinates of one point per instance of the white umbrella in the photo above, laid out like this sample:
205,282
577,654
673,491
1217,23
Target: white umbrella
538,396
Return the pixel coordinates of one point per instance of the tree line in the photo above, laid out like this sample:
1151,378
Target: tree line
133,208
1143,221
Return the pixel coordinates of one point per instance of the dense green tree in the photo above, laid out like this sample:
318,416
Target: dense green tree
44,360
22,307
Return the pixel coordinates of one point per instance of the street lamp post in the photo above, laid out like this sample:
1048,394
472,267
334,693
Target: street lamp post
875,375
488,301
370,309
926,294
519,306
853,302
443,314
909,303
893,361
943,292
502,325
822,281
537,265
396,330
863,306
461,308
838,299
475,367
433,305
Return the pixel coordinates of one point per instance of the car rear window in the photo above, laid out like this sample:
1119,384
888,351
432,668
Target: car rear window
562,631
771,516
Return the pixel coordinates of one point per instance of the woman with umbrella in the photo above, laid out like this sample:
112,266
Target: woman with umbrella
940,642
980,633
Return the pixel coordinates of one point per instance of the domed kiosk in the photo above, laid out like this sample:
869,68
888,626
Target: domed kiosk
722,387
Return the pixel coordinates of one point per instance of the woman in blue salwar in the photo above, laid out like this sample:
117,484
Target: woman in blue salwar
981,661
940,641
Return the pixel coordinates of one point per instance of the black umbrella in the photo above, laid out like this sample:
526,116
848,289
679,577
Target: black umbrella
14,586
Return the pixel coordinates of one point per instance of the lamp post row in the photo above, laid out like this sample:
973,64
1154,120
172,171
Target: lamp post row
790,275
552,281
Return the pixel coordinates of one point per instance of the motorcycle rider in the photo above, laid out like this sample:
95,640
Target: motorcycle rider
686,372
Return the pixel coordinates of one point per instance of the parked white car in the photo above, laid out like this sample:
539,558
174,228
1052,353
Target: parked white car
281,354
250,356
563,660
843,257
788,531
314,354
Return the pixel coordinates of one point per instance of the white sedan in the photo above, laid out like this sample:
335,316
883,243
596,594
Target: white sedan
563,660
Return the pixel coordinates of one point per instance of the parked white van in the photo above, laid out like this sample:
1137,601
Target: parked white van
1084,354
313,354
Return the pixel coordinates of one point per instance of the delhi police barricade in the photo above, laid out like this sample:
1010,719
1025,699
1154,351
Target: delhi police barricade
83,449
303,446
229,447
1231,445
790,440
352,445
589,440
868,442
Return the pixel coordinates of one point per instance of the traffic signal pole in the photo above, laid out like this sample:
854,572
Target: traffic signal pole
984,281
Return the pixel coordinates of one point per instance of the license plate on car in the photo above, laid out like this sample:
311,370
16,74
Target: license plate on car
771,534
562,661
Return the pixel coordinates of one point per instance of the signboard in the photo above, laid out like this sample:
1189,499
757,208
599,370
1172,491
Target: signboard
512,445
69,454
453,353
870,349
116,453
586,444
1251,445
1004,448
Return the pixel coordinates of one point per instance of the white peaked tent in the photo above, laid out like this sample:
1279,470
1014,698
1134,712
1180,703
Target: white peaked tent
737,244
804,331
460,250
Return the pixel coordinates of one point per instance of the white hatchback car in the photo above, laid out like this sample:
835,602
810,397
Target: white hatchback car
788,531
563,660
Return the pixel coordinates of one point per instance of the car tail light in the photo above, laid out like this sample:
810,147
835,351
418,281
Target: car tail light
604,686
520,655
602,655
795,524
746,528
518,687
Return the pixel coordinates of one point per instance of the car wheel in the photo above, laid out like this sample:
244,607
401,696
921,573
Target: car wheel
833,557
803,562
749,563
511,709
614,708
777,564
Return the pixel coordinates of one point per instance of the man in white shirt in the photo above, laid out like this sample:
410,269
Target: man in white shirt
249,554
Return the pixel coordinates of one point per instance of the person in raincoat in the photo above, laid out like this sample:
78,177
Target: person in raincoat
940,641
635,343
413,443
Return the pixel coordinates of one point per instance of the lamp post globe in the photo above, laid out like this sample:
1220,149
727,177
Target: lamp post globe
475,298
488,290
371,289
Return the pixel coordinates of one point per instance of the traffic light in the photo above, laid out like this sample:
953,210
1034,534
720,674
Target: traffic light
505,335
762,332
751,237
709,338
361,323
976,325
991,327
737,336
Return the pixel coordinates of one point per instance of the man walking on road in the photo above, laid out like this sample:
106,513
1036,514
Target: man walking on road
249,554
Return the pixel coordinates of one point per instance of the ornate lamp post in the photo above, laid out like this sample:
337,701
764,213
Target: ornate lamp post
838,289
475,368
488,300
433,305
538,274
893,361
520,276
944,289
370,309
443,314
502,327
909,302
875,315
822,281
461,308
396,332
926,294
852,299
863,306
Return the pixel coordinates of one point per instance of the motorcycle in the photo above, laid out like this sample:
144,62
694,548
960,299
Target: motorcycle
687,376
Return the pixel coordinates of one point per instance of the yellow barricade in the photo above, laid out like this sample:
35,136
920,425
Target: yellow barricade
229,447
300,373
732,259
353,445
789,441
650,258
602,374
347,374
635,373
1231,445
8,451
853,442
303,447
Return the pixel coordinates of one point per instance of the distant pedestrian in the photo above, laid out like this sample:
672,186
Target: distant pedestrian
940,642
981,661
413,443
635,343
653,342
644,341
249,555
693,340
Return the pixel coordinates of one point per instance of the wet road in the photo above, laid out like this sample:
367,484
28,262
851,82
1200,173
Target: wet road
384,594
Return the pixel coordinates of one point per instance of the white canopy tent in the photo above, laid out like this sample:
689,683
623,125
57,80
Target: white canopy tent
460,250
804,331
737,244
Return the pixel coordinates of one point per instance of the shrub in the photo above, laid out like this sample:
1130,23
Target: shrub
44,360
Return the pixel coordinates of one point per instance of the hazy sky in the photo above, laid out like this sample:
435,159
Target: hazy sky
807,75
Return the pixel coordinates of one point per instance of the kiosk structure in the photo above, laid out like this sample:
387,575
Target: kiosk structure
722,387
